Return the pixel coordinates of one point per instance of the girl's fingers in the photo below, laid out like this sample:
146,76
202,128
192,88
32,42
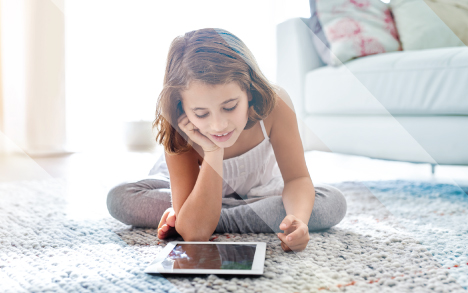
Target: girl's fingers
181,117
183,126
285,247
194,134
163,219
287,222
291,246
297,239
166,231
282,237
186,126
297,234
183,121
163,229
161,234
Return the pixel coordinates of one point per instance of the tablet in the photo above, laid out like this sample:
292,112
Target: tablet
181,257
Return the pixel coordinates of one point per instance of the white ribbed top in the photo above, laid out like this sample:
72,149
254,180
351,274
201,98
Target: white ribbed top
250,174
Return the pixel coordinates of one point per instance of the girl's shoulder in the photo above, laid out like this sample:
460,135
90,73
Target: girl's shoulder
284,106
283,100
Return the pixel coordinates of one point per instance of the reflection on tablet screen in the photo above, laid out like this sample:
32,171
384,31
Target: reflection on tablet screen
211,256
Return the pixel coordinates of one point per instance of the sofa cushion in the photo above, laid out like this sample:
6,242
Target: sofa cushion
357,28
420,26
424,82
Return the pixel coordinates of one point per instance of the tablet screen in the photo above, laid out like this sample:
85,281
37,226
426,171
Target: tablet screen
211,256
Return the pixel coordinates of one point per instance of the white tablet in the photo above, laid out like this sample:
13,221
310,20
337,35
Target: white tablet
180,257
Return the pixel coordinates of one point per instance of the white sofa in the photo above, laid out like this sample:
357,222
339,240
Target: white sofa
407,105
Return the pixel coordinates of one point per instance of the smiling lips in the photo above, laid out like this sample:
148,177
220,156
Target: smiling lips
222,137
222,134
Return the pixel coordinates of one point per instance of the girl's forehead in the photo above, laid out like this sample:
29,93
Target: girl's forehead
203,93
201,86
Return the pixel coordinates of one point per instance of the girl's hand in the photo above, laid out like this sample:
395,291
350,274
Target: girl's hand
166,227
296,234
195,135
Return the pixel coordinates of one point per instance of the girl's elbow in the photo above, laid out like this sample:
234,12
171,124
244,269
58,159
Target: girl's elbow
193,233
197,238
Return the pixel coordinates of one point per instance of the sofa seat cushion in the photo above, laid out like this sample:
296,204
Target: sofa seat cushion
425,82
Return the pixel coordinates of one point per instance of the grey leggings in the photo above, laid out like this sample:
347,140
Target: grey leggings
142,204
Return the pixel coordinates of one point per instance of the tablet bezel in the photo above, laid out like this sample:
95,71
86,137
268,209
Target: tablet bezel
257,265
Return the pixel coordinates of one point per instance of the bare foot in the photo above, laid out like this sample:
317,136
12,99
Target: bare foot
166,227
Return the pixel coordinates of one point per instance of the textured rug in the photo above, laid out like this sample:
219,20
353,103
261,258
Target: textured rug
397,236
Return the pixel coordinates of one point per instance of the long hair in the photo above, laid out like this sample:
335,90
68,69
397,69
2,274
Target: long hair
214,57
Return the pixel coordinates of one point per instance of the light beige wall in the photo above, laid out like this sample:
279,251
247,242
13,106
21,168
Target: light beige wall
32,68
2,128
45,82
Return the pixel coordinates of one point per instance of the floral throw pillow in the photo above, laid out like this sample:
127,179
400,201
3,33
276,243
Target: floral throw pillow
356,28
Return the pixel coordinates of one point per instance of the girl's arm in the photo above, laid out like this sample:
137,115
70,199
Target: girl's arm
196,193
298,192
298,198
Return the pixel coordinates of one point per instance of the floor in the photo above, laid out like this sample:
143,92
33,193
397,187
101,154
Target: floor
90,175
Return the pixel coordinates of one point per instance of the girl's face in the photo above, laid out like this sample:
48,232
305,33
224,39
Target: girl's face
220,112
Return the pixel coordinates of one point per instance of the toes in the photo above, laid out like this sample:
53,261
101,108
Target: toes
164,231
171,220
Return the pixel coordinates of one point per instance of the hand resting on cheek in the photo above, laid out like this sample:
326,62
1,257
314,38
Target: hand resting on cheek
195,135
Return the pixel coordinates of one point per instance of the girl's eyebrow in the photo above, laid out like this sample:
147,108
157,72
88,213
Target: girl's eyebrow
225,102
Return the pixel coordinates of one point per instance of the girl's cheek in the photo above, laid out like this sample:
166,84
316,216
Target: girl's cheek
201,126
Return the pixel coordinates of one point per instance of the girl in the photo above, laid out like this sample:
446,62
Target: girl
234,161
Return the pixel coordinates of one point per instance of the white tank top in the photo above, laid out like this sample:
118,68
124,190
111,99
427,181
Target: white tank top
253,175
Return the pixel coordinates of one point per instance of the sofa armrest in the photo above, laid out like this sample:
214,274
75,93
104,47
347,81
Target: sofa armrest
296,55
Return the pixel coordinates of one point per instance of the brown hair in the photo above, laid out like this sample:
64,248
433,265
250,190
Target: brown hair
211,56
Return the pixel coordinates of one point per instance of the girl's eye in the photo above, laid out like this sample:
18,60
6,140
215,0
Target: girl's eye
228,109
231,109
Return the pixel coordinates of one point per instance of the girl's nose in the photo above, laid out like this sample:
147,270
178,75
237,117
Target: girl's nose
219,124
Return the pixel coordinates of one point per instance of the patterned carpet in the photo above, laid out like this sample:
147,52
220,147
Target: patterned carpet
397,236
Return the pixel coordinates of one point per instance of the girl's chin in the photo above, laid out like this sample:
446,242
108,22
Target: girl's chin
225,144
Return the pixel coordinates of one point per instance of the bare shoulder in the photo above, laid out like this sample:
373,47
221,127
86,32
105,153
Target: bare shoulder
284,96
283,116
284,109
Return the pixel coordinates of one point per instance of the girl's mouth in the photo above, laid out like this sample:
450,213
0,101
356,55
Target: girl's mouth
223,137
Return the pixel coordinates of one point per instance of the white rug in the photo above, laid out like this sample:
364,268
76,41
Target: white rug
397,236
